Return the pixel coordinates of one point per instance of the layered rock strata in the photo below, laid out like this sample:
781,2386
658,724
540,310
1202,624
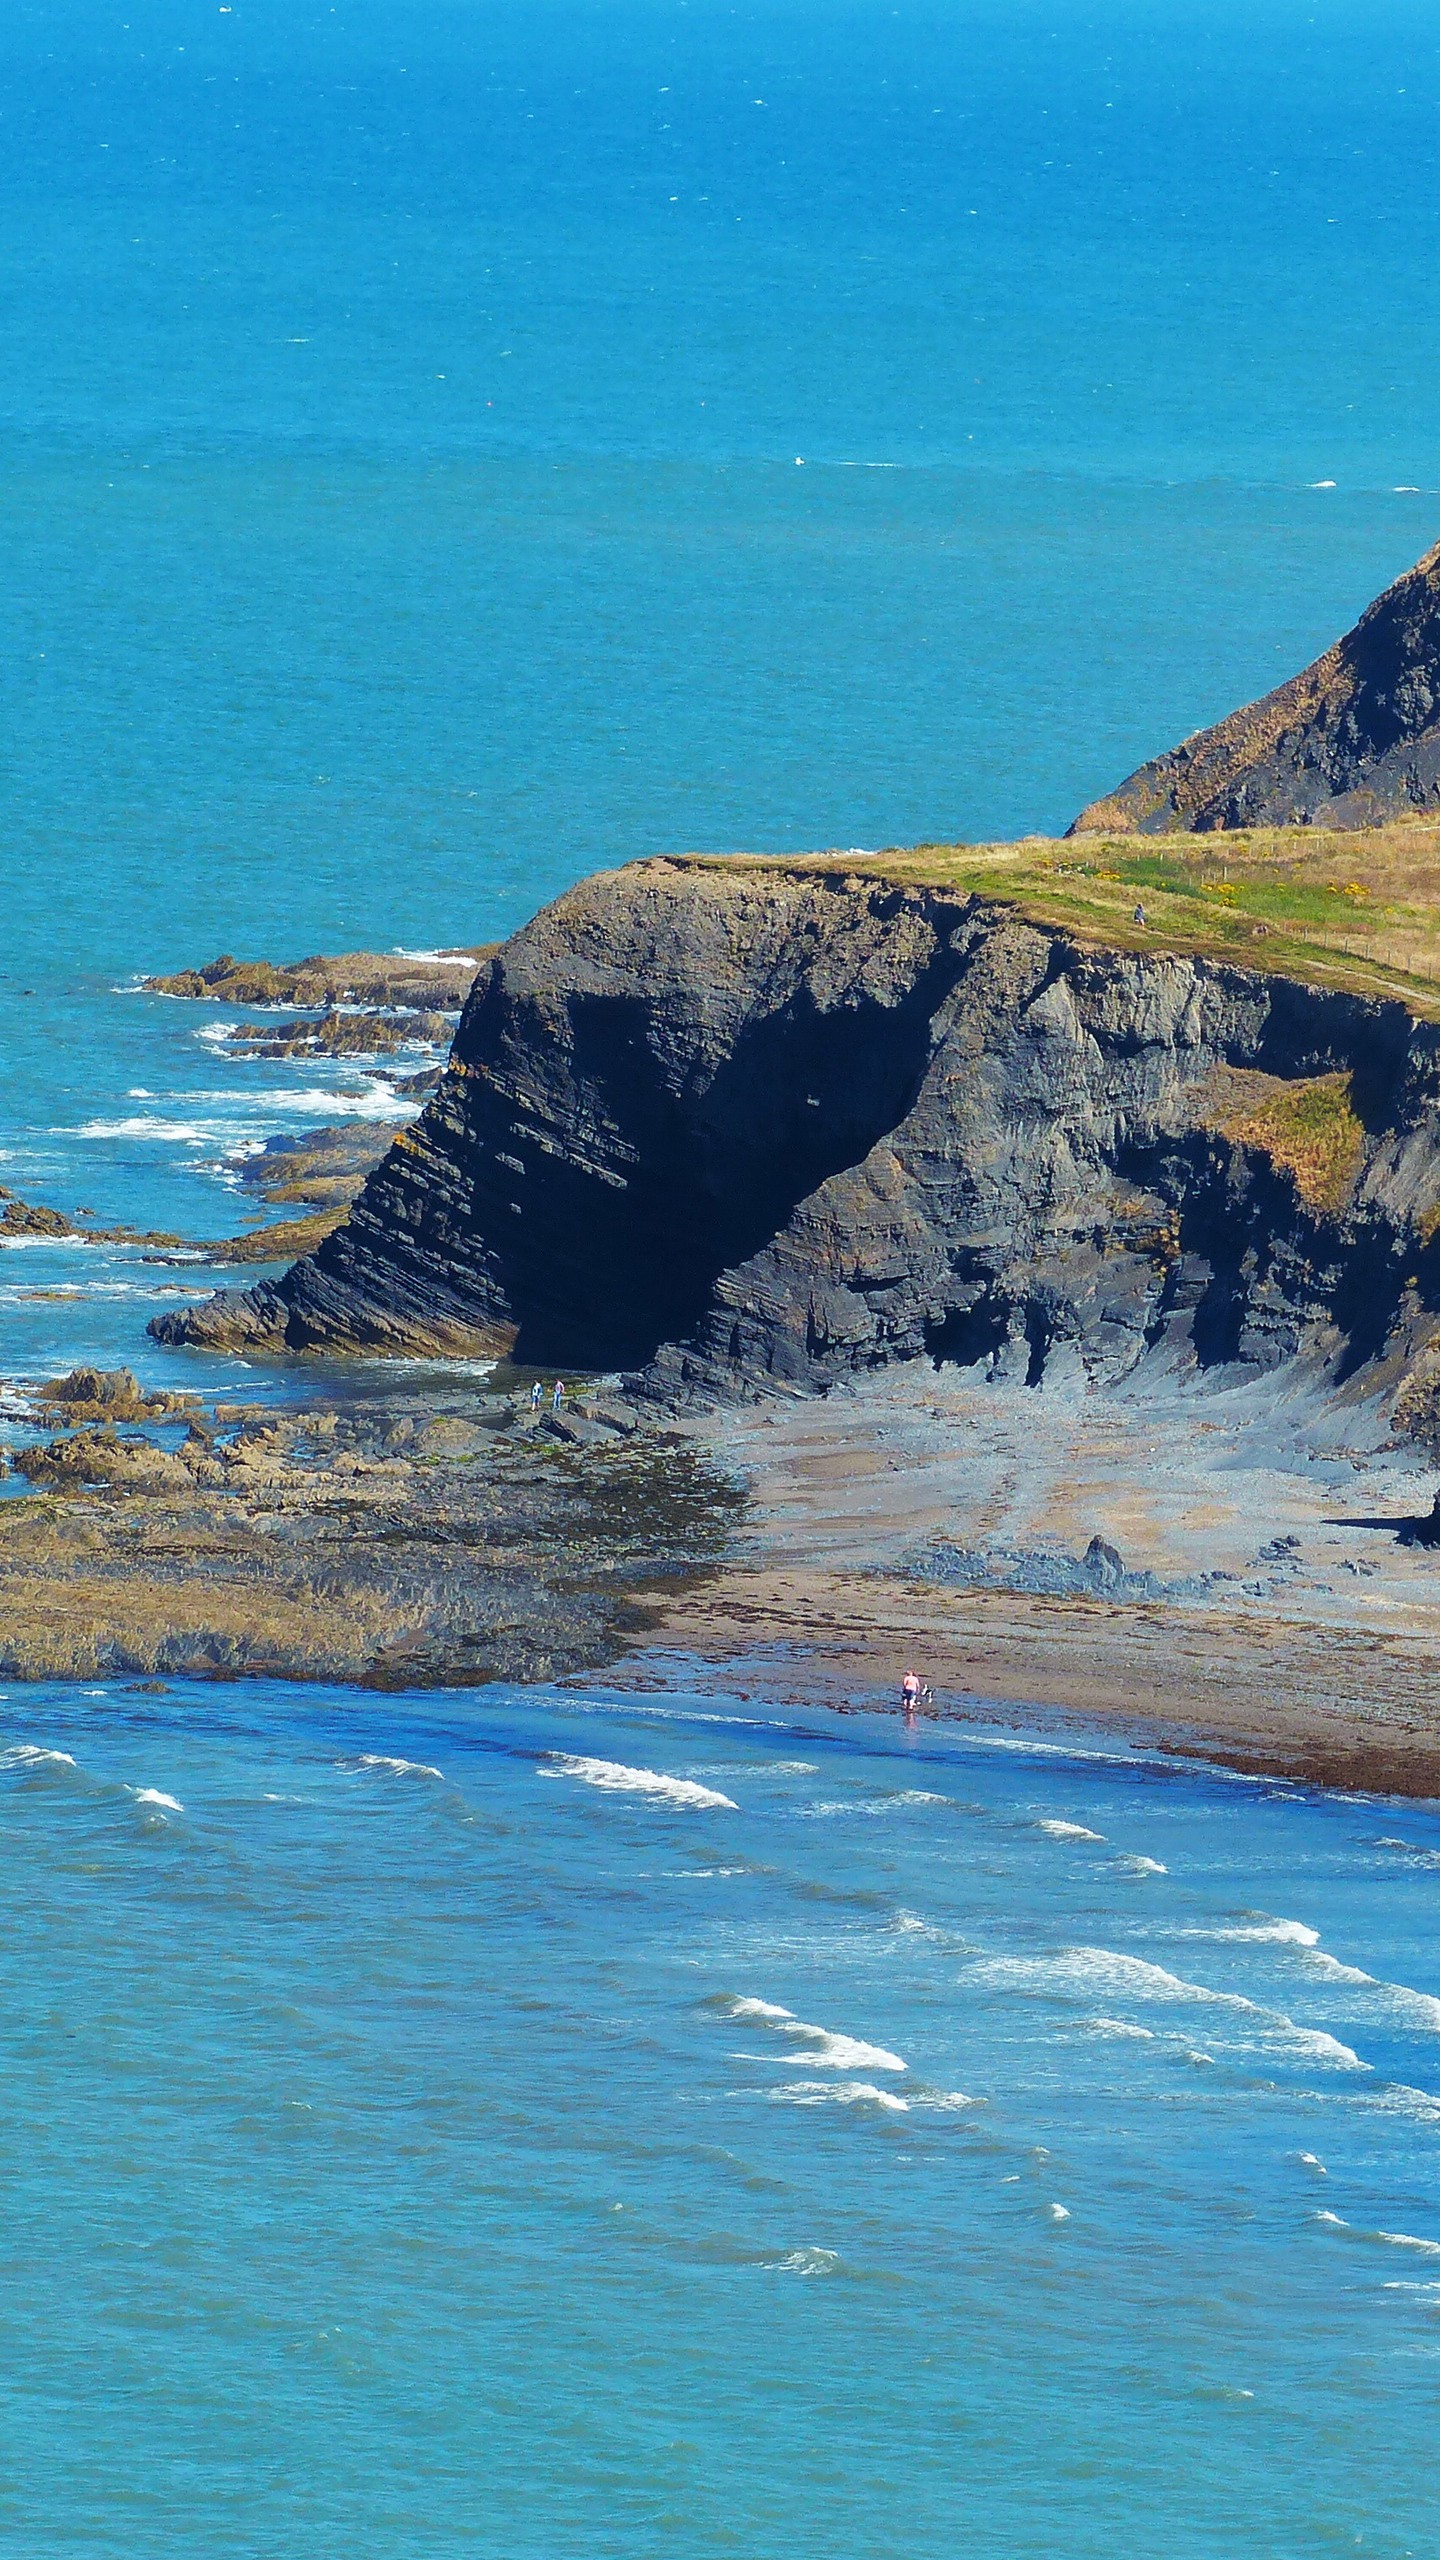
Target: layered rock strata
739,1127
1352,741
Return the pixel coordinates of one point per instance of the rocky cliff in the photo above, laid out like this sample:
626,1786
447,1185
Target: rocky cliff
1350,742
747,1126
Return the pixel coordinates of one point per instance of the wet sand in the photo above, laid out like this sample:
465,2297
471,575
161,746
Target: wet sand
1321,1664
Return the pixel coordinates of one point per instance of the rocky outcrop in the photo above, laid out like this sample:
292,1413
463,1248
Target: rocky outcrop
749,1126
1351,742
368,978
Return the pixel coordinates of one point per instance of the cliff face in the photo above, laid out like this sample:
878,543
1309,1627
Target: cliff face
1350,742
743,1127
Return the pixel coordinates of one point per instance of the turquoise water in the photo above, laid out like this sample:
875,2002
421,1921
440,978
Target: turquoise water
442,449
631,2126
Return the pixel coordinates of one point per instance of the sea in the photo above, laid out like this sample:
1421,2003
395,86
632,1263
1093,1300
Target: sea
447,447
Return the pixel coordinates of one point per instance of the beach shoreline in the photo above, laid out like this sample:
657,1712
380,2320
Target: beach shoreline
1328,1708
1268,1612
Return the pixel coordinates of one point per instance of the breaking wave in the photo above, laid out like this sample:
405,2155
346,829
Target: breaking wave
1081,1972
1385,2239
396,1768
617,1779
839,2093
824,2051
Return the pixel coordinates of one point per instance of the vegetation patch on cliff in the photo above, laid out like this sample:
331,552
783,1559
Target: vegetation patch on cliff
1309,1127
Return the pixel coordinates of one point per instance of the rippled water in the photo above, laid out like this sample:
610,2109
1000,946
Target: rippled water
584,2123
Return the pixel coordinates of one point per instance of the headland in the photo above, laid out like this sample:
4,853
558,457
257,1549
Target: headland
1019,1260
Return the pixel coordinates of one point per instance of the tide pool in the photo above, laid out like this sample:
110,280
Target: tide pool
539,2122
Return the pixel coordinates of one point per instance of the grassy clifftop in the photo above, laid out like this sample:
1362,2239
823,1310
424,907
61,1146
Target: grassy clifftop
1357,909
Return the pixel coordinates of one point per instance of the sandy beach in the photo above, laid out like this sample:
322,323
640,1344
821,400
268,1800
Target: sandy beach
1318,1656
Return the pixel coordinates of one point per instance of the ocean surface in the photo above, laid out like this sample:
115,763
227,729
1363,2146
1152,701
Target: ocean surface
638,2126
444,447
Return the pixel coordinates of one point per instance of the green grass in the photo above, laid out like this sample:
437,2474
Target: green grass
1358,909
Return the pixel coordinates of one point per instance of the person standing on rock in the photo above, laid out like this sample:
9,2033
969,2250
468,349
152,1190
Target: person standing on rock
537,1393
557,1396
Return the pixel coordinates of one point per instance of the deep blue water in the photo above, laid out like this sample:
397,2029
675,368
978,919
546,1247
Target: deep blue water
444,448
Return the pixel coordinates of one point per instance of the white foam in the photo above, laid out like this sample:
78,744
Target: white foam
1068,1831
143,1125
1417,2008
1261,1931
808,2262
1119,2027
30,1244
1051,1750
1387,2239
840,2093
1311,2044
617,1779
1420,2106
829,2052
1089,1969
1131,1864
31,1755
374,1100
871,1806
1058,2212
1333,1970
824,2050
152,1795
397,1768
1083,1971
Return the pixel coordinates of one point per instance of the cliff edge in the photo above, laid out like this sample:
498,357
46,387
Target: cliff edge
1352,741
742,1127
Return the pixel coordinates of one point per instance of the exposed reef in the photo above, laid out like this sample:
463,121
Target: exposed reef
743,1128
343,1032
1352,741
29,1219
319,1172
424,981
425,1535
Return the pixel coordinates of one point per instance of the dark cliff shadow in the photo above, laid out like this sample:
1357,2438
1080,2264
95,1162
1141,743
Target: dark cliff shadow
600,1276
1412,1528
